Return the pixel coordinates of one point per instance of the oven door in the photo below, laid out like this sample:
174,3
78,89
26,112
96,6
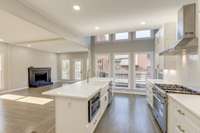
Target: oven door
93,107
160,112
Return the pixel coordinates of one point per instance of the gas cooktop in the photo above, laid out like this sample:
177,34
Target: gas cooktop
174,88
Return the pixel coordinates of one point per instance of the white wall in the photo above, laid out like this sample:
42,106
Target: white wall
187,66
18,59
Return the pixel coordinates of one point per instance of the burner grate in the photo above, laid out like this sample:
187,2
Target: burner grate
174,88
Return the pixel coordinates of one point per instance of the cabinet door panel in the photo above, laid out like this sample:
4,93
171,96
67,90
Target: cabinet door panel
164,39
180,120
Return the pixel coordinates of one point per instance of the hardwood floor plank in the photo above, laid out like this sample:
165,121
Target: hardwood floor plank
127,114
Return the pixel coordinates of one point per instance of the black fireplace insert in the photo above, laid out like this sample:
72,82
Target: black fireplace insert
39,76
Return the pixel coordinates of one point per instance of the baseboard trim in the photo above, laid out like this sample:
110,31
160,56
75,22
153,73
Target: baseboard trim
130,92
13,90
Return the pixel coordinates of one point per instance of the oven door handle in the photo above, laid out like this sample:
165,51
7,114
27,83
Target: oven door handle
158,99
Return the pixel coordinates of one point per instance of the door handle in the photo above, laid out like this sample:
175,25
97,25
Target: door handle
180,112
180,129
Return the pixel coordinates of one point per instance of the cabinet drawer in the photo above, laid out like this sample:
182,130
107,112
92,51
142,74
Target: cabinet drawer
186,122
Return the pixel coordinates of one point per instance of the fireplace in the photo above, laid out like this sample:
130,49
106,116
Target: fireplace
39,76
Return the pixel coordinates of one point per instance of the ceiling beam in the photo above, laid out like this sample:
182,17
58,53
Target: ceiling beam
39,41
22,11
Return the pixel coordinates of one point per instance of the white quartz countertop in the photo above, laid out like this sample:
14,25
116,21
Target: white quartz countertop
160,81
81,90
190,102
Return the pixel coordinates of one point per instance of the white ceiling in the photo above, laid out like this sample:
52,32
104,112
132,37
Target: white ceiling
109,15
17,31
59,45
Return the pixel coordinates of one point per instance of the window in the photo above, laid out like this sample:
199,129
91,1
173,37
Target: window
65,69
77,70
143,34
103,38
102,65
121,36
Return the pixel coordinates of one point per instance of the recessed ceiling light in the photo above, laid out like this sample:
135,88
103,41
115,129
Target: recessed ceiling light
76,7
97,28
143,23
1,40
29,45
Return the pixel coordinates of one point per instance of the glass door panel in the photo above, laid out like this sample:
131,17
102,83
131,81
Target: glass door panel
77,70
102,66
143,69
65,69
121,70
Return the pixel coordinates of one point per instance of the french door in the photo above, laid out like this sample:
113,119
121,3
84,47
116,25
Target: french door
121,71
66,69
143,69
102,65
77,70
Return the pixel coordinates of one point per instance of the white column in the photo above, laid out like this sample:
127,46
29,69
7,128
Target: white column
131,71
134,75
111,64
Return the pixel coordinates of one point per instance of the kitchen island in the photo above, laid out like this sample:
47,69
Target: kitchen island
80,106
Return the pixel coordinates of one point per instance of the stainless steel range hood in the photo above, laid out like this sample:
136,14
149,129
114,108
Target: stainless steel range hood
186,31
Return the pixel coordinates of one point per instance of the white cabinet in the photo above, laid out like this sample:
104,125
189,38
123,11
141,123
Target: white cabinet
164,39
149,95
72,113
180,120
104,103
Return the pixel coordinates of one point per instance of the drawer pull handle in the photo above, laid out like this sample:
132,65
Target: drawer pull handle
180,112
180,129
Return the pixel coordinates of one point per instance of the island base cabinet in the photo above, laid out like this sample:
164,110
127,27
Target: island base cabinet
180,120
97,118
71,115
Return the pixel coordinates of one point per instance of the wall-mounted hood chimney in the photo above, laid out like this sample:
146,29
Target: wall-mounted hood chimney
186,31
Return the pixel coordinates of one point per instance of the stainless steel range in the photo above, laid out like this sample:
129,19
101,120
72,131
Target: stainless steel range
160,101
